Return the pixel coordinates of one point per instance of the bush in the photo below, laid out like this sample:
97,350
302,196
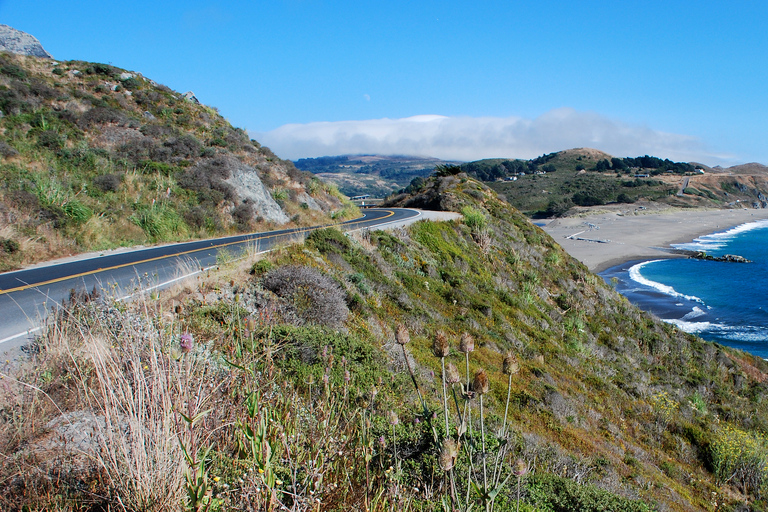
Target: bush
8,246
243,213
102,115
556,494
7,150
328,240
107,182
474,218
314,296
50,139
742,458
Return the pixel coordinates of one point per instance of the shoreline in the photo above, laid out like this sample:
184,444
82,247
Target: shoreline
638,233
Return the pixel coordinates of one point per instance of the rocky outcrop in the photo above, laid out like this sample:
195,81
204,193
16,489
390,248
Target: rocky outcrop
249,187
16,41
730,258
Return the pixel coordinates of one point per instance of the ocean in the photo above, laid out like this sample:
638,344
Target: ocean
719,301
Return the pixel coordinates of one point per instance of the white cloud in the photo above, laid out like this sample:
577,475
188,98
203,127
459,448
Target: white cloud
474,138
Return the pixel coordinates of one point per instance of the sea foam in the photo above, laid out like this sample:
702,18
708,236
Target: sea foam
635,275
719,240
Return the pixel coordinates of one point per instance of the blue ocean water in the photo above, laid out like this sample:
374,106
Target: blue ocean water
719,301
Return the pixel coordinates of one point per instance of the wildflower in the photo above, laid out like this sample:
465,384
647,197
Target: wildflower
481,385
452,374
448,454
440,346
347,376
466,343
392,418
216,479
510,366
186,342
401,335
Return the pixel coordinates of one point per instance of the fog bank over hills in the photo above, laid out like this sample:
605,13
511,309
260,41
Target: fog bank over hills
475,138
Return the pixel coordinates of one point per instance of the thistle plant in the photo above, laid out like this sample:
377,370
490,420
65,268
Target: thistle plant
441,348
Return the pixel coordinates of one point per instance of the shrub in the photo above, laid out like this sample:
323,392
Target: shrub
243,213
102,115
8,246
556,494
742,458
314,296
7,150
107,182
50,139
474,218
328,240
261,267
131,83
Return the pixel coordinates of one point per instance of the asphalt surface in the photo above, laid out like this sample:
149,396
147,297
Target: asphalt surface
28,296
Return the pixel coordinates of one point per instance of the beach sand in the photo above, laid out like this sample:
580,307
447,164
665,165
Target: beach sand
612,237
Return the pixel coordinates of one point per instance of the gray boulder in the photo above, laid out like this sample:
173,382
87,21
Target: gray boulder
190,96
16,41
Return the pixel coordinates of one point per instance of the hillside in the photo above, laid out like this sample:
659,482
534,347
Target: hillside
375,175
554,184
95,157
313,379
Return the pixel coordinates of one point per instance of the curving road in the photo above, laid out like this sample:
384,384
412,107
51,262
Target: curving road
26,296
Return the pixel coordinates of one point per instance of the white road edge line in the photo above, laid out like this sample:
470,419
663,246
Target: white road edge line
180,278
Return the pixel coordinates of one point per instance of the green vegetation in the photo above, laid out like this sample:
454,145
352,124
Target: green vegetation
93,160
419,369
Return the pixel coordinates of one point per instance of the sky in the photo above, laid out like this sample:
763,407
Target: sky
450,79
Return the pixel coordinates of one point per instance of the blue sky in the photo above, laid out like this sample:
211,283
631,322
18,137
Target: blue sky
677,79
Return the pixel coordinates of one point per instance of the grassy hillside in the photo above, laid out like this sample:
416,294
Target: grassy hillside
553,184
94,157
471,362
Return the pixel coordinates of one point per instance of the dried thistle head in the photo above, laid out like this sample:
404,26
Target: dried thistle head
449,452
452,374
466,343
510,365
440,345
520,468
401,335
481,384
186,342
392,418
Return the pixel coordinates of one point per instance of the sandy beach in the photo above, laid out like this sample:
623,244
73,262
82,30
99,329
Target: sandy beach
607,238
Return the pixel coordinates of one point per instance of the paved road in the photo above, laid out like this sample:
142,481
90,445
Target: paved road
26,296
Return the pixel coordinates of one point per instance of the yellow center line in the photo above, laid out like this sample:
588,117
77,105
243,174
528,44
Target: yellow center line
184,253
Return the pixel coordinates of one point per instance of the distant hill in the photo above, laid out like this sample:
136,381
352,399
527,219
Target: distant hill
375,175
93,157
558,183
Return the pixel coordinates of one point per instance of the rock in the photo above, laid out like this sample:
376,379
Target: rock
190,96
148,115
730,258
249,186
16,41
126,76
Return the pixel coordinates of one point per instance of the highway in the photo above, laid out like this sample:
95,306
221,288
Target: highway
28,295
